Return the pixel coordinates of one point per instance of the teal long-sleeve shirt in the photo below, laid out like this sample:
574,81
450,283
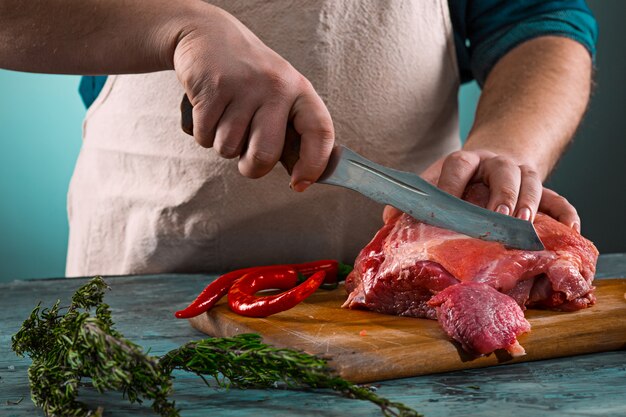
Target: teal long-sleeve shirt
484,31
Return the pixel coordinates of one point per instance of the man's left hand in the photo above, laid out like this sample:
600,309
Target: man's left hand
515,189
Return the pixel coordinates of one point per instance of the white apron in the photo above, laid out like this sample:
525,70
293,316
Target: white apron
145,198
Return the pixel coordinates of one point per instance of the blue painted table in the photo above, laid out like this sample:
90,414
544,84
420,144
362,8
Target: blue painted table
588,385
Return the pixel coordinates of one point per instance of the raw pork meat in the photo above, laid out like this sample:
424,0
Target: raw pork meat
408,262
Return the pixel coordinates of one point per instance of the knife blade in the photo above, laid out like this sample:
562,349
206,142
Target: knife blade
420,199
406,191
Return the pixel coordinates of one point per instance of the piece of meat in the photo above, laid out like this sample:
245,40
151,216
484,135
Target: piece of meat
407,262
406,294
521,292
480,318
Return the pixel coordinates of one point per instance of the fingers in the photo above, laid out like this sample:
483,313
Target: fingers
431,174
559,208
312,121
233,130
221,80
258,134
504,179
529,194
390,213
265,144
520,187
206,114
514,189
457,171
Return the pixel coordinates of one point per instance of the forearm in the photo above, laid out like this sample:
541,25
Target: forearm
92,36
533,101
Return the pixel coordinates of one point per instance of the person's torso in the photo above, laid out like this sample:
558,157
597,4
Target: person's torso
146,198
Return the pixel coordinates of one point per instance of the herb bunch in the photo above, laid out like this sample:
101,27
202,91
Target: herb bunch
67,344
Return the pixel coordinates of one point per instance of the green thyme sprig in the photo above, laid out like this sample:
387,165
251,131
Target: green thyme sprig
67,344
245,362
67,347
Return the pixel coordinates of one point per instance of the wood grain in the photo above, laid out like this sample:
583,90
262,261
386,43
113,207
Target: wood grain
395,347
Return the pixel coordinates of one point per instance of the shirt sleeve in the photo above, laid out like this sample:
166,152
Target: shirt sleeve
485,30
90,87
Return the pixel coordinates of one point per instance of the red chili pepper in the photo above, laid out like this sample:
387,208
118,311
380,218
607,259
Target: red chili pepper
213,292
241,298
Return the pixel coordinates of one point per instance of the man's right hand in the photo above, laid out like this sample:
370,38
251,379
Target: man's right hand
244,94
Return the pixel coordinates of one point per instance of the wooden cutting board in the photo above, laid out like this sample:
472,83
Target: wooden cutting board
364,346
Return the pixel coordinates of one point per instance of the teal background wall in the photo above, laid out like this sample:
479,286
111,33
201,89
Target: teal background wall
40,135
592,174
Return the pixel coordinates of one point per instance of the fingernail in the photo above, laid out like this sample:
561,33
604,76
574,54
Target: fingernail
503,209
524,214
301,186
576,226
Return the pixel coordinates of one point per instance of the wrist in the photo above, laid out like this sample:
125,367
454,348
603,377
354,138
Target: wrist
178,25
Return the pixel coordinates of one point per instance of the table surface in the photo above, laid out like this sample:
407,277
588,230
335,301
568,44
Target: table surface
586,385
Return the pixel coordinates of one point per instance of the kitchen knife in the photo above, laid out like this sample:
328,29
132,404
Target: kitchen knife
407,192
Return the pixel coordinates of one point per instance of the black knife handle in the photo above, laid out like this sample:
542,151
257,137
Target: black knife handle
291,149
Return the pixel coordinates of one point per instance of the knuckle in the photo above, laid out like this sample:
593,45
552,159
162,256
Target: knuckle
531,187
561,201
222,84
461,158
206,89
502,162
262,158
226,149
303,83
529,172
319,125
507,194
277,82
324,132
